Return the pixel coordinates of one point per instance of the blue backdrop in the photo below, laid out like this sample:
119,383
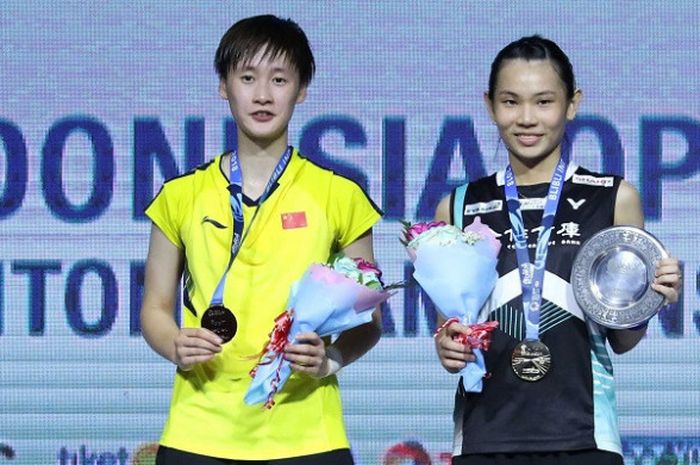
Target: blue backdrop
100,101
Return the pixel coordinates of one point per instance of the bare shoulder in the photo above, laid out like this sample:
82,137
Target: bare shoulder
628,206
442,212
627,195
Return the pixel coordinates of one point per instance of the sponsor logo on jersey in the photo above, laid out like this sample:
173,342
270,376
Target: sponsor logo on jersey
483,207
605,181
532,204
212,221
575,204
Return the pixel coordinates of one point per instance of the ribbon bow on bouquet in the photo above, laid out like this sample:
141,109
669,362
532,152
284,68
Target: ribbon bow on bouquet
457,269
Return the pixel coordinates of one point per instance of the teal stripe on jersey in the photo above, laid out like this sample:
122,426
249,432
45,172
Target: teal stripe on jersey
510,321
552,316
606,432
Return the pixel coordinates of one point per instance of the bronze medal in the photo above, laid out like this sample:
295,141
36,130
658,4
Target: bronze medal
531,360
221,321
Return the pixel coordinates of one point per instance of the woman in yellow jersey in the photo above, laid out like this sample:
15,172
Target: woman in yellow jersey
240,230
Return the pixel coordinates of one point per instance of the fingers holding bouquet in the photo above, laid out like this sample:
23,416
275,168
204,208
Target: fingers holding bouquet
452,352
307,354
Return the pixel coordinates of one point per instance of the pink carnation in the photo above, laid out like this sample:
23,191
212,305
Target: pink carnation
363,265
414,230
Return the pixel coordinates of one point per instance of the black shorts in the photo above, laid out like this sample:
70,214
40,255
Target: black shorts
169,456
577,457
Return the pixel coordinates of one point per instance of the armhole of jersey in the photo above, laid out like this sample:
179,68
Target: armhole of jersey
458,205
614,197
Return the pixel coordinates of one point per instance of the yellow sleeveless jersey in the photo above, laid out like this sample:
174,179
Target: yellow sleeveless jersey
311,213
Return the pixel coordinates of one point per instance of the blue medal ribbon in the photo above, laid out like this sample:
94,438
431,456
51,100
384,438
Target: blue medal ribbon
532,275
239,232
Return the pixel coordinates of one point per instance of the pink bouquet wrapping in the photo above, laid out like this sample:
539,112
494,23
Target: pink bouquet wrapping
457,269
328,299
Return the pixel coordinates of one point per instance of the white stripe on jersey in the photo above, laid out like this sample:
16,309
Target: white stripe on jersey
554,289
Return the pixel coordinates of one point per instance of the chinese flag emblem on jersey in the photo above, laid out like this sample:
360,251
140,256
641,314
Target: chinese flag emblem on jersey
293,220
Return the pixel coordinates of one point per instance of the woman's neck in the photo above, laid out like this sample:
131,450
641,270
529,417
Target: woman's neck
257,163
255,151
529,172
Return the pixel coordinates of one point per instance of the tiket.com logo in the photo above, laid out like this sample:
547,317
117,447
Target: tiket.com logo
84,456
6,452
144,454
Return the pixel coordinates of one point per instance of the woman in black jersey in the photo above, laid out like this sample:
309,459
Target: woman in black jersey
562,412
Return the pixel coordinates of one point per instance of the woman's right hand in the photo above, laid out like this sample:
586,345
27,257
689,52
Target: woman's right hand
453,355
195,345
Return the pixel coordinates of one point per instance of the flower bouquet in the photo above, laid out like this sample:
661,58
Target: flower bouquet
457,269
328,299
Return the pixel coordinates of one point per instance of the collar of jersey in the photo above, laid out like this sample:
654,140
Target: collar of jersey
287,175
501,175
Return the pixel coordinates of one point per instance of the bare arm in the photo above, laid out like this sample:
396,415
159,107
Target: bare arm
628,211
310,356
185,347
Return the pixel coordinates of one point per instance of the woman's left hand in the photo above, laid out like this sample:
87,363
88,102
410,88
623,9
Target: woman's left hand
668,279
308,355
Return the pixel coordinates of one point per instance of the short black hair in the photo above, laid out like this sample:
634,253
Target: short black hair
534,48
276,36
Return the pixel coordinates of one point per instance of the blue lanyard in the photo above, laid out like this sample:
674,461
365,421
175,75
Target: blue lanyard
239,234
531,276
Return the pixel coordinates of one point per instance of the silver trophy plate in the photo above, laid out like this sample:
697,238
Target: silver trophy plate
612,275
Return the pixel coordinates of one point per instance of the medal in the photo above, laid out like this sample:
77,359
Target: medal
531,360
221,321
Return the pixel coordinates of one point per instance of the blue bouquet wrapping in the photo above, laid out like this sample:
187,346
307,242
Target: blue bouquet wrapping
324,300
457,269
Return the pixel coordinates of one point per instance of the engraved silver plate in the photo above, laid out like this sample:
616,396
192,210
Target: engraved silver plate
612,275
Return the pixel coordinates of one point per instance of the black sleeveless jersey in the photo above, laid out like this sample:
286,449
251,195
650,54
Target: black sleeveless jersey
573,406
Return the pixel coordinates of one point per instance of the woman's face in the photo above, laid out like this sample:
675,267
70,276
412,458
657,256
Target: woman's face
530,108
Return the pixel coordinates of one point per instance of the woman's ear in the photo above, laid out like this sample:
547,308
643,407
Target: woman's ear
572,108
301,96
489,106
222,89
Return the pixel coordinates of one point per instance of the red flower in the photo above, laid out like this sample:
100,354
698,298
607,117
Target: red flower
363,265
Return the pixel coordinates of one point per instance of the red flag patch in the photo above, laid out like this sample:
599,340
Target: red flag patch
293,220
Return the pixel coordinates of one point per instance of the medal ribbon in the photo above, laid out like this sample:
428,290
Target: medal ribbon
531,276
235,187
